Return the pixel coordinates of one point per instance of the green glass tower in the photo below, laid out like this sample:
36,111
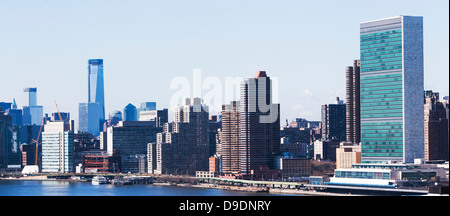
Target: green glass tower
391,85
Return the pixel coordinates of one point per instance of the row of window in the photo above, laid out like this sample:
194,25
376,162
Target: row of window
390,63
360,174
381,154
387,48
389,52
382,68
381,100
393,123
381,131
379,35
375,77
382,57
366,112
365,47
393,87
369,145
382,92
400,134
383,62
380,139
381,41
381,96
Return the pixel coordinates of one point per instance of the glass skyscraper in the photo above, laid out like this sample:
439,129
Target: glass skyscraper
96,86
89,119
391,85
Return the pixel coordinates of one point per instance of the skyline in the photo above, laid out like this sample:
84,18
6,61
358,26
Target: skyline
238,39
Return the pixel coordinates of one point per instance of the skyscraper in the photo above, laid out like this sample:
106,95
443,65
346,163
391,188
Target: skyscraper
436,128
333,121
32,114
57,148
353,108
88,115
130,113
260,124
230,138
95,85
391,83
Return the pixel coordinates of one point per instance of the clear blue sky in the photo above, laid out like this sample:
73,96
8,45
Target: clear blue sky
144,44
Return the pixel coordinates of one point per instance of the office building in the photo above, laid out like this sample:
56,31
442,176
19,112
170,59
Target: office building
293,169
260,125
230,138
435,127
325,149
333,121
88,118
391,84
130,113
96,89
387,175
57,148
348,154
353,108
32,114
15,113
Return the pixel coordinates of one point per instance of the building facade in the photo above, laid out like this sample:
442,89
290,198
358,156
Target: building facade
89,118
348,154
130,113
230,138
96,89
182,147
435,128
352,105
392,86
57,148
260,124
333,121
129,139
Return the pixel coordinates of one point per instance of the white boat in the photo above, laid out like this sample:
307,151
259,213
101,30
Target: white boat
97,180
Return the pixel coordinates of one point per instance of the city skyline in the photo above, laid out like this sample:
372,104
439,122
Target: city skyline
299,59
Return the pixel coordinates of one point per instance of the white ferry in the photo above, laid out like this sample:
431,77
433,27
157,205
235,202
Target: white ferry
97,180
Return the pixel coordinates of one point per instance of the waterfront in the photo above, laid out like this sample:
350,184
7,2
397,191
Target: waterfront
66,188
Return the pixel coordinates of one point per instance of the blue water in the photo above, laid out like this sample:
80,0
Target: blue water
64,188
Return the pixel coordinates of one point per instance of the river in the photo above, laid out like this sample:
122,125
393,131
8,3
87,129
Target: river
66,188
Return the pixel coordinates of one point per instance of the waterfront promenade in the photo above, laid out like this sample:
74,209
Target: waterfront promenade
261,187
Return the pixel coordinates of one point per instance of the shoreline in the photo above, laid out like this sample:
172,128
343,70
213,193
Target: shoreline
255,190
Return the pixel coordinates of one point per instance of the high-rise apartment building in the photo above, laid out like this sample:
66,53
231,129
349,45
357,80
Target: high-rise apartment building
230,138
391,82
182,147
260,124
353,109
333,121
57,148
435,127
96,86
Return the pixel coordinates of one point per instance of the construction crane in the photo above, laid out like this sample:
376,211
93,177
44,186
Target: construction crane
57,109
37,141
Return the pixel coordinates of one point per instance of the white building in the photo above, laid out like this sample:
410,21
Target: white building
57,148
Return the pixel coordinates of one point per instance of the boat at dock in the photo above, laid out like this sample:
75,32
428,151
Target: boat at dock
98,180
